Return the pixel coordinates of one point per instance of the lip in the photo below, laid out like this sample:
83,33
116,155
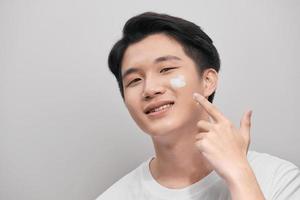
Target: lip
156,105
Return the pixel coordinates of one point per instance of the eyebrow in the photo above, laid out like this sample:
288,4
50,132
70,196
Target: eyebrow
157,60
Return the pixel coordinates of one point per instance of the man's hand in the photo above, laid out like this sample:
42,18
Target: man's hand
225,148
223,145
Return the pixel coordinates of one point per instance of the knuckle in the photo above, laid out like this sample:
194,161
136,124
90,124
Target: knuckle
198,136
227,123
201,136
204,141
200,123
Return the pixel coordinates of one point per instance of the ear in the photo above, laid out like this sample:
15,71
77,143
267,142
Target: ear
210,81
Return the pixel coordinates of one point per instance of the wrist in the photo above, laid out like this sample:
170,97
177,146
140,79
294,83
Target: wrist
242,173
243,184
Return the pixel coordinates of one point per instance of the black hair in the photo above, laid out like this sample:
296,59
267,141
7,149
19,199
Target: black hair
196,44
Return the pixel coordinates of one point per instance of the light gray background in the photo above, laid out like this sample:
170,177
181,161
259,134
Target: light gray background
64,131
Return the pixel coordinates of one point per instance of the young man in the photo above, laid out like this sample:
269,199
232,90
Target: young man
167,70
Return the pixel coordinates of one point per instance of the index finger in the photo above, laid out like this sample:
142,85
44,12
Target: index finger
209,107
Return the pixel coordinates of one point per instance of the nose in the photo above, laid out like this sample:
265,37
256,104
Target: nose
152,88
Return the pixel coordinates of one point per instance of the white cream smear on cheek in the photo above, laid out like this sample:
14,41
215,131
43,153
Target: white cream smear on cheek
178,81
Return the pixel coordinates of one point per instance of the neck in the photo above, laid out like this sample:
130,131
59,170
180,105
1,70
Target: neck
178,163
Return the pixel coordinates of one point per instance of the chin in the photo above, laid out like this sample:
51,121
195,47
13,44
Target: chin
162,128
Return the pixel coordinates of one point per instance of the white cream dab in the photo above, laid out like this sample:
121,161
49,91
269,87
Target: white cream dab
178,81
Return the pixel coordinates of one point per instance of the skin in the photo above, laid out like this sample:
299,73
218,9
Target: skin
194,137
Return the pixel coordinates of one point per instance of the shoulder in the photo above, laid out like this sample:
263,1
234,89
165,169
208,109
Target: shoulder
265,165
266,161
276,176
120,188
124,186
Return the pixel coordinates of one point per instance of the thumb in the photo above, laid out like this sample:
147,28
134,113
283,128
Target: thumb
245,128
246,124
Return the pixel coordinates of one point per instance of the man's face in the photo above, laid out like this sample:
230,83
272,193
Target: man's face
165,74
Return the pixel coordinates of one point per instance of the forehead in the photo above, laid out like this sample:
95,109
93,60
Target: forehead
149,49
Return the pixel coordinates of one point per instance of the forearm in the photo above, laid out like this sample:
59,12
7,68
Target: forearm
243,185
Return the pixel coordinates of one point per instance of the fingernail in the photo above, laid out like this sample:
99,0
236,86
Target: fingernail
197,96
194,95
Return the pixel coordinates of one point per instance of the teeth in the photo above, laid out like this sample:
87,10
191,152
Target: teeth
161,108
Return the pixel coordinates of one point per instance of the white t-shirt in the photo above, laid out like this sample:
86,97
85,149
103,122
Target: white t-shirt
278,179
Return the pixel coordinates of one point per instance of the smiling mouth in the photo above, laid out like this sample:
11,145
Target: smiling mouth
160,109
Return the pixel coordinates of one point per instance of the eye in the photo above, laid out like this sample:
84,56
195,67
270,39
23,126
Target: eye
167,69
133,81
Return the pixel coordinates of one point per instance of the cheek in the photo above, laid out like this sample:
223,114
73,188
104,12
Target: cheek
178,82
185,87
133,105
130,101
